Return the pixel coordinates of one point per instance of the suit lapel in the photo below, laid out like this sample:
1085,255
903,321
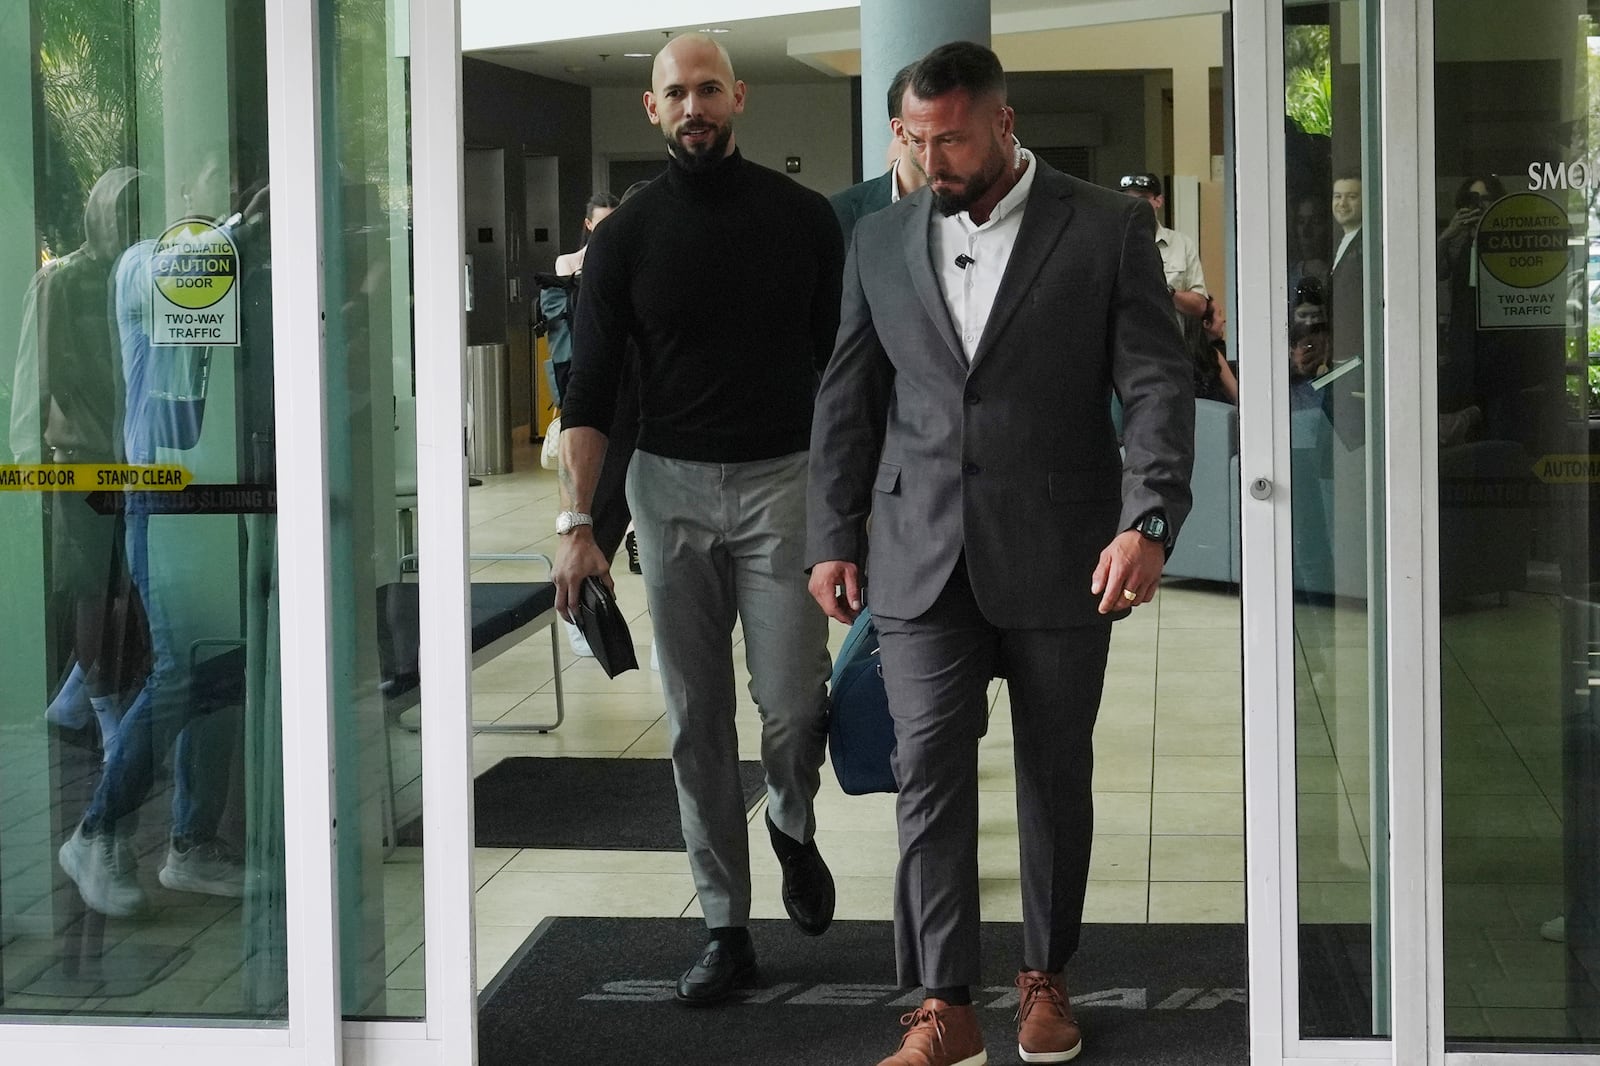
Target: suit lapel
919,260
1043,221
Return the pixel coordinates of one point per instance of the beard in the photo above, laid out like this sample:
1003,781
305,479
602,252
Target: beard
707,154
972,190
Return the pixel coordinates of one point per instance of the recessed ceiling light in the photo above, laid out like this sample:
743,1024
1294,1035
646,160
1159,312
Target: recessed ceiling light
637,55
717,29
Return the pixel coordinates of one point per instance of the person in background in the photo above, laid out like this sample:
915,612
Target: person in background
600,205
1180,259
1214,378
1346,290
901,179
556,304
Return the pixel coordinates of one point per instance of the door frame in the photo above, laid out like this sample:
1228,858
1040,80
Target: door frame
312,1035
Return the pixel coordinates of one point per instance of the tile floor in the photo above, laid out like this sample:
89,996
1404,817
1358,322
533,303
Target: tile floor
1169,770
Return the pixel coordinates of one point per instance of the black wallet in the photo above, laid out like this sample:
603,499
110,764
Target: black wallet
605,629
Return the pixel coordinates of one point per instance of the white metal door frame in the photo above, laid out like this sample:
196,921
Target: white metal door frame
449,1032
312,1035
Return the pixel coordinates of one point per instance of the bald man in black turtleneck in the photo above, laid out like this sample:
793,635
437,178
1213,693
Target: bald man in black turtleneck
727,275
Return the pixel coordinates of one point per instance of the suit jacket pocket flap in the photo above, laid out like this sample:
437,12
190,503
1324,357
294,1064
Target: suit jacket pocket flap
1097,483
888,478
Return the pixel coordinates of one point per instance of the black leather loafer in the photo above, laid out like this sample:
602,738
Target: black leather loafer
807,885
722,967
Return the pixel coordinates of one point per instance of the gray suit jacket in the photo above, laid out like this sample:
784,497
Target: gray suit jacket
1014,459
861,200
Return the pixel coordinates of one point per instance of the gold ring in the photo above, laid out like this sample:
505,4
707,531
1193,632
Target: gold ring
1129,595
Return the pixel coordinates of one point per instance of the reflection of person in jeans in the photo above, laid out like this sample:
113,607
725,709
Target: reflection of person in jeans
161,411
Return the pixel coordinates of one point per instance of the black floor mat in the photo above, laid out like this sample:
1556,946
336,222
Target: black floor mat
596,990
607,804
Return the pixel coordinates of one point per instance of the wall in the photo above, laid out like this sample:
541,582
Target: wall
1105,112
811,121
528,115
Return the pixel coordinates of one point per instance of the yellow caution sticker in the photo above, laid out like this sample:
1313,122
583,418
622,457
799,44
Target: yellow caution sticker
92,477
194,273
1567,469
1522,241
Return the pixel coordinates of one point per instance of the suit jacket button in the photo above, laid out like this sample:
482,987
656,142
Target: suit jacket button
973,397
971,468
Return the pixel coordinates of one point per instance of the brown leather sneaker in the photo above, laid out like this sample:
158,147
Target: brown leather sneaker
938,1034
1045,1029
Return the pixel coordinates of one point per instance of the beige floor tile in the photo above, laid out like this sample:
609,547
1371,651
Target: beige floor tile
486,862
510,898
593,706
574,737
1197,814
1000,899
1187,740
1120,858
1207,901
1188,607
1200,651
573,860
1199,773
515,674
1122,813
1117,901
1123,773
1201,702
1196,858
496,944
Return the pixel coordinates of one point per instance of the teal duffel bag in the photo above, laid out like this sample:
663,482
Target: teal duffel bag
860,731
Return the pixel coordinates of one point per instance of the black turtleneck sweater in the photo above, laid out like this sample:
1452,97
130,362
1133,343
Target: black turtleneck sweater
728,279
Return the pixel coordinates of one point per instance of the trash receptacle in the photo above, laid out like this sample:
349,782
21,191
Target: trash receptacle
488,409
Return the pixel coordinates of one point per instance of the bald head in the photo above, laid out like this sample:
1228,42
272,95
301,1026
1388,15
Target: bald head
689,51
693,97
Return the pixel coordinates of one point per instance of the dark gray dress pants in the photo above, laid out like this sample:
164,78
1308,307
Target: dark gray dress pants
937,669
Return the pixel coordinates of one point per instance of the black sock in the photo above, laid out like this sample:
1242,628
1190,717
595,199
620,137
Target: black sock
732,935
956,995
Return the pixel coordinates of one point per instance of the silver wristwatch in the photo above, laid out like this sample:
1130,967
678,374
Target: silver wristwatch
567,521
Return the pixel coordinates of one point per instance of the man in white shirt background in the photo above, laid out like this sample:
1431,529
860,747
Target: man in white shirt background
1180,257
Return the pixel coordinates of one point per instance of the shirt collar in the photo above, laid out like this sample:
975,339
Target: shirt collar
894,182
1014,200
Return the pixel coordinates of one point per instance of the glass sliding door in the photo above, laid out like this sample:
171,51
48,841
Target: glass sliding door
141,791
372,450
1518,274
1335,360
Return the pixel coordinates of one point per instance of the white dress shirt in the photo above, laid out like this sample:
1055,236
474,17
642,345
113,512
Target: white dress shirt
969,293
1348,238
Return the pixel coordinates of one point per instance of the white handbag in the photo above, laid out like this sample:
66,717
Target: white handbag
550,454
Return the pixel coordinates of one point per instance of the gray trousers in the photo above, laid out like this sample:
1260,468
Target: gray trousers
719,541
936,669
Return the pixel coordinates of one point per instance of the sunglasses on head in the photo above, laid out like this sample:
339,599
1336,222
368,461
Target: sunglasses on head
1136,181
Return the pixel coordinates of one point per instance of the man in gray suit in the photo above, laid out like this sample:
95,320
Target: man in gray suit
985,324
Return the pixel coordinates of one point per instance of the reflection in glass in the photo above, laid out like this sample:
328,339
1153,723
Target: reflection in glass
1333,372
1520,619
141,848
372,475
